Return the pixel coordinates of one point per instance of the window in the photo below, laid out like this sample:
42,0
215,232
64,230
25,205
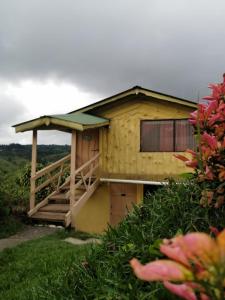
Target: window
166,135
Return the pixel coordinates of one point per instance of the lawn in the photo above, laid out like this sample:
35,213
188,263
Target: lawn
32,266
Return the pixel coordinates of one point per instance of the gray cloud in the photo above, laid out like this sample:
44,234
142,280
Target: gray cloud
10,112
103,47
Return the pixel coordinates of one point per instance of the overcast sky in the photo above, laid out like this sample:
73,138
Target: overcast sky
58,55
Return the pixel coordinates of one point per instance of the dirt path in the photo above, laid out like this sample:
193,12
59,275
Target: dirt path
29,233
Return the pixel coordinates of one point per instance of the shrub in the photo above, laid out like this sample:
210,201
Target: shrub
4,208
106,274
209,160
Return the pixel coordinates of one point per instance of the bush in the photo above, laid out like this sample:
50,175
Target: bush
4,209
106,273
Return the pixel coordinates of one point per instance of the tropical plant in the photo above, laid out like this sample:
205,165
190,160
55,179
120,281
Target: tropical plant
195,270
209,159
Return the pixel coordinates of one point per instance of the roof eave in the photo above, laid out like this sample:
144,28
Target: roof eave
47,121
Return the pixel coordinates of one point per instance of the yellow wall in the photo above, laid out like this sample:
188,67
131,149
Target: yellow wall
94,215
120,143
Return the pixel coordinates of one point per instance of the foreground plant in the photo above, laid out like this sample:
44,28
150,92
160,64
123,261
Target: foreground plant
209,159
196,269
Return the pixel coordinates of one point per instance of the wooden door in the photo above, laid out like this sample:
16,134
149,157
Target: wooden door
122,198
87,146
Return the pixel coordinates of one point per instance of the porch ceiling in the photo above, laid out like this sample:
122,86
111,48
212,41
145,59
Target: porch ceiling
66,122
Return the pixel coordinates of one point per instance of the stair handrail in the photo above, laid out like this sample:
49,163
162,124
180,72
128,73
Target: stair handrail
93,164
52,178
51,167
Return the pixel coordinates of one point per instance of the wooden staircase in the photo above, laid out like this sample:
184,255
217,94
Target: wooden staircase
59,205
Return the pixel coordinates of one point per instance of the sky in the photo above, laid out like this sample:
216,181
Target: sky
59,55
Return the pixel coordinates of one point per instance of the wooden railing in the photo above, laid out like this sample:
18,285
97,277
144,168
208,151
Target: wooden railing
50,177
86,177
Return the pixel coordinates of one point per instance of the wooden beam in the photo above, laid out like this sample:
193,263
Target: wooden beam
33,169
67,221
72,168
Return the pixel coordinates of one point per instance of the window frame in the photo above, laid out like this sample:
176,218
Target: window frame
174,134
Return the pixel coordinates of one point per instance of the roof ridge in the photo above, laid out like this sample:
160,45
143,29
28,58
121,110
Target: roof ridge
128,92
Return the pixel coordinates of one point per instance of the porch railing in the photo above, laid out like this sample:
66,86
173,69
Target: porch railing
52,177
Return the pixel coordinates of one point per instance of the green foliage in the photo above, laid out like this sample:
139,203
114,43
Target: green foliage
9,225
15,179
15,168
26,269
46,153
106,274
4,209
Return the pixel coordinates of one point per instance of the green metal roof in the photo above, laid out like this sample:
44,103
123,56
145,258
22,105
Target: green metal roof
65,122
81,118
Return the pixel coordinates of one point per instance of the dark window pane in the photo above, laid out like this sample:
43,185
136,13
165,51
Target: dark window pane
184,138
156,136
166,136
150,136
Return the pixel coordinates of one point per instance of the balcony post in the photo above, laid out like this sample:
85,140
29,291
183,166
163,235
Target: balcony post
72,168
33,169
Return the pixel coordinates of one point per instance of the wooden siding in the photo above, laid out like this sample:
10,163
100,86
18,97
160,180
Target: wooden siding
122,198
120,143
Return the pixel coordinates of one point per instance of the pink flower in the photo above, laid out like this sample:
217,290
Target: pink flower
192,163
160,270
209,140
196,258
181,290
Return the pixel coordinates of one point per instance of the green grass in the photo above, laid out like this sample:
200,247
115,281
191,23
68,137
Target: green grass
28,269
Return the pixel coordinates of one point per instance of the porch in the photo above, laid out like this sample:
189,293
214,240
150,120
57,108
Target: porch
62,188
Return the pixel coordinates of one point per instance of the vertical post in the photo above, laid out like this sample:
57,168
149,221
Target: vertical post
72,168
33,169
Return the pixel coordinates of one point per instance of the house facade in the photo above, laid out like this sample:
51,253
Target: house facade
119,146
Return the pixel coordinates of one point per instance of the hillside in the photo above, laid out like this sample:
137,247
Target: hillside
14,173
46,153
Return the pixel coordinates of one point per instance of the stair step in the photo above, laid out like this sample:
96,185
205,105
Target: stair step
64,208
65,188
49,216
59,196
59,201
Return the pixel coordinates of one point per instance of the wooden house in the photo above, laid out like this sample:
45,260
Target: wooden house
119,146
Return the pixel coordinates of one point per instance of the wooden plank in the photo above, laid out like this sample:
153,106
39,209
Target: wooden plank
87,164
51,167
80,182
67,221
36,208
33,169
59,196
55,208
122,198
43,202
49,216
44,184
72,168
87,145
